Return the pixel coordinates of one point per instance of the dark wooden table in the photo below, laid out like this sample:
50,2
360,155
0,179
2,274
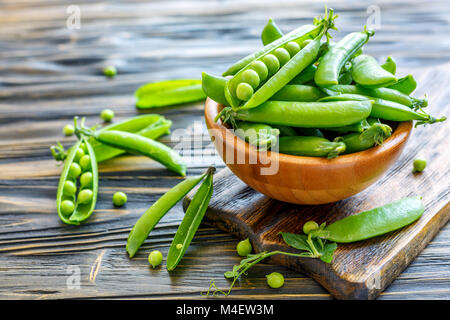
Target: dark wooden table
50,73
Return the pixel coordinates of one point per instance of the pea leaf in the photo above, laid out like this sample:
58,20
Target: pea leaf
297,241
328,251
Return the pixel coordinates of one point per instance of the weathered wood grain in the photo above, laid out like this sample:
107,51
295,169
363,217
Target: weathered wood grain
49,73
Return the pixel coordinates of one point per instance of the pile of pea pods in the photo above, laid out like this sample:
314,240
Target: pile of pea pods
310,96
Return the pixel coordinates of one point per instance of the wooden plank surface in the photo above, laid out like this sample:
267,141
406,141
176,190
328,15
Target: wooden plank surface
49,73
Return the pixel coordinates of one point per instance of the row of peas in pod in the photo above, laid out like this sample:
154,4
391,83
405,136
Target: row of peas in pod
78,186
309,96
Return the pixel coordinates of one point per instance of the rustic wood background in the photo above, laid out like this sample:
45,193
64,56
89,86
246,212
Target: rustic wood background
49,73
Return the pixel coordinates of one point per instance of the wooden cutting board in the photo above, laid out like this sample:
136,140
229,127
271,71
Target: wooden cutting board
359,270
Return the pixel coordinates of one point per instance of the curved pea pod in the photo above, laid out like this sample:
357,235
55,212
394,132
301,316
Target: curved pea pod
372,223
214,87
260,135
307,114
271,32
368,73
167,93
389,65
405,85
359,127
306,75
330,66
382,93
310,146
151,217
80,211
153,131
134,143
298,92
374,135
191,221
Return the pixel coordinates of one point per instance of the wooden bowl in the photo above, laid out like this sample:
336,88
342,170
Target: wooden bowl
304,180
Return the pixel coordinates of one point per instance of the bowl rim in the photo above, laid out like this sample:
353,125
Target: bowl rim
398,137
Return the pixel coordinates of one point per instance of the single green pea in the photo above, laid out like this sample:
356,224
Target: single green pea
86,179
119,199
275,280
310,226
110,71
68,130
179,246
305,43
292,47
155,258
244,91
78,154
419,165
261,69
283,55
251,77
271,63
67,207
69,188
85,162
107,115
74,170
244,247
85,196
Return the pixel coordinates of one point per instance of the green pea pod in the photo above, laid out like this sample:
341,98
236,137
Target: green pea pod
359,126
134,143
270,33
151,217
405,85
77,211
330,66
167,93
306,75
382,93
368,73
372,223
214,87
191,221
298,93
260,135
307,114
389,65
310,146
154,131
374,135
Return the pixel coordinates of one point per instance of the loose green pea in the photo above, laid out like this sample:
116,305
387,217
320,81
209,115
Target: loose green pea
272,63
251,77
292,47
310,226
155,258
305,43
107,115
85,162
86,179
74,170
79,153
419,165
68,130
119,199
69,188
275,280
244,91
85,196
67,207
110,71
261,69
244,248
282,55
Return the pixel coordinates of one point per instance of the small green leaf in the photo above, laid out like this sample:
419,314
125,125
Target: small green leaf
328,252
297,241
230,274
